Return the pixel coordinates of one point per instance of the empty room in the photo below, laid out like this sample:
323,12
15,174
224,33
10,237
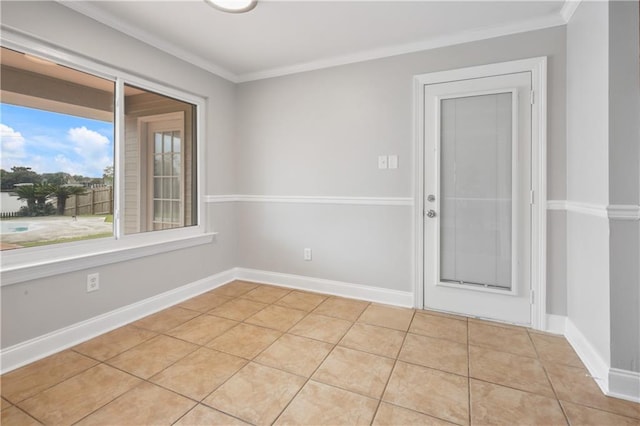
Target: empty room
241,212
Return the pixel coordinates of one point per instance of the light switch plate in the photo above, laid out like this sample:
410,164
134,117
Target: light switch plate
382,161
393,162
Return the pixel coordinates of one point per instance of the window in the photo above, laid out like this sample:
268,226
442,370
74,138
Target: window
159,161
75,167
57,153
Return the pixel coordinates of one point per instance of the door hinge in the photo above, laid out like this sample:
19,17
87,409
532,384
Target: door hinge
533,98
532,296
532,199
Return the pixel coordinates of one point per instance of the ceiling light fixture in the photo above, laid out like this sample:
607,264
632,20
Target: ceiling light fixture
233,6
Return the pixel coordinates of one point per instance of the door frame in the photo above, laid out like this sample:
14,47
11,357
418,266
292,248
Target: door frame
538,69
145,166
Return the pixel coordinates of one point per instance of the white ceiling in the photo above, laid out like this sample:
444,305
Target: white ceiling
283,37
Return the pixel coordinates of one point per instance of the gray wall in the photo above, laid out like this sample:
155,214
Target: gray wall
587,173
603,123
320,132
33,308
624,178
315,133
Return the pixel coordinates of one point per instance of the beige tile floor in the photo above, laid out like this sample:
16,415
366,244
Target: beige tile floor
256,354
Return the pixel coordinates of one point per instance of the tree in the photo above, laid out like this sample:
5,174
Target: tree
58,178
36,196
63,192
107,175
19,174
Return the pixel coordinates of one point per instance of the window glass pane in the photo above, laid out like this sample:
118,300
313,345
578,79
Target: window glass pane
476,181
57,159
163,133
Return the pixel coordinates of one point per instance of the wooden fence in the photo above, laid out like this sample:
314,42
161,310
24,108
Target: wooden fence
94,201
4,215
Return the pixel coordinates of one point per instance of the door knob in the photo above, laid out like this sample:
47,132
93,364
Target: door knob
431,198
431,213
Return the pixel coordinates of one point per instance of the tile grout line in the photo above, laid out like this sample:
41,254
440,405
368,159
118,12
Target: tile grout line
546,374
55,384
198,346
25,412
253,358
393,367
185,414
335,345
201,402
107,403
104,362
148,380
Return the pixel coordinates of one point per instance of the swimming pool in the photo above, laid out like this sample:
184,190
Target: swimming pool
11,227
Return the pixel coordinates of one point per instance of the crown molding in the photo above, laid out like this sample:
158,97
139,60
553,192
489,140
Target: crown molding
568,9
87,9
91,11
450,40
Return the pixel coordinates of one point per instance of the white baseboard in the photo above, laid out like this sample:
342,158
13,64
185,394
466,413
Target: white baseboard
32,350
37,348
337,288
613,382
597,366
556,324
624,384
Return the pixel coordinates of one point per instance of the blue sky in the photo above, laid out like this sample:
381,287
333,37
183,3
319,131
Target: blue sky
49,142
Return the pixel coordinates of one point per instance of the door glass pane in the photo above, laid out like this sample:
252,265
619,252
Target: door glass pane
158,143
476,198
167,142
176,141
157,187
167,168
157,165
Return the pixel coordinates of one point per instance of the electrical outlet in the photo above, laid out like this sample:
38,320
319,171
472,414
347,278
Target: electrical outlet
93,282
307,254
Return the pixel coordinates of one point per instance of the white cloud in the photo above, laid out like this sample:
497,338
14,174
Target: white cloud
93,149
60,162
12,147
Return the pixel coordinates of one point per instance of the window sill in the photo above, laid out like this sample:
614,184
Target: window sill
40,262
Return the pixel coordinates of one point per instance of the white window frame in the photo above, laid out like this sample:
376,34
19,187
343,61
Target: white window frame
39,262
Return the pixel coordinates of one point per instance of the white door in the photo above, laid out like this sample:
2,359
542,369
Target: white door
165,198
477,180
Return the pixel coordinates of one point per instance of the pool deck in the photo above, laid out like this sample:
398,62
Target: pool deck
53,228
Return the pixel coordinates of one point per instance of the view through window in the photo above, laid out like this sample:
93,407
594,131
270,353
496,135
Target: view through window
57,156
